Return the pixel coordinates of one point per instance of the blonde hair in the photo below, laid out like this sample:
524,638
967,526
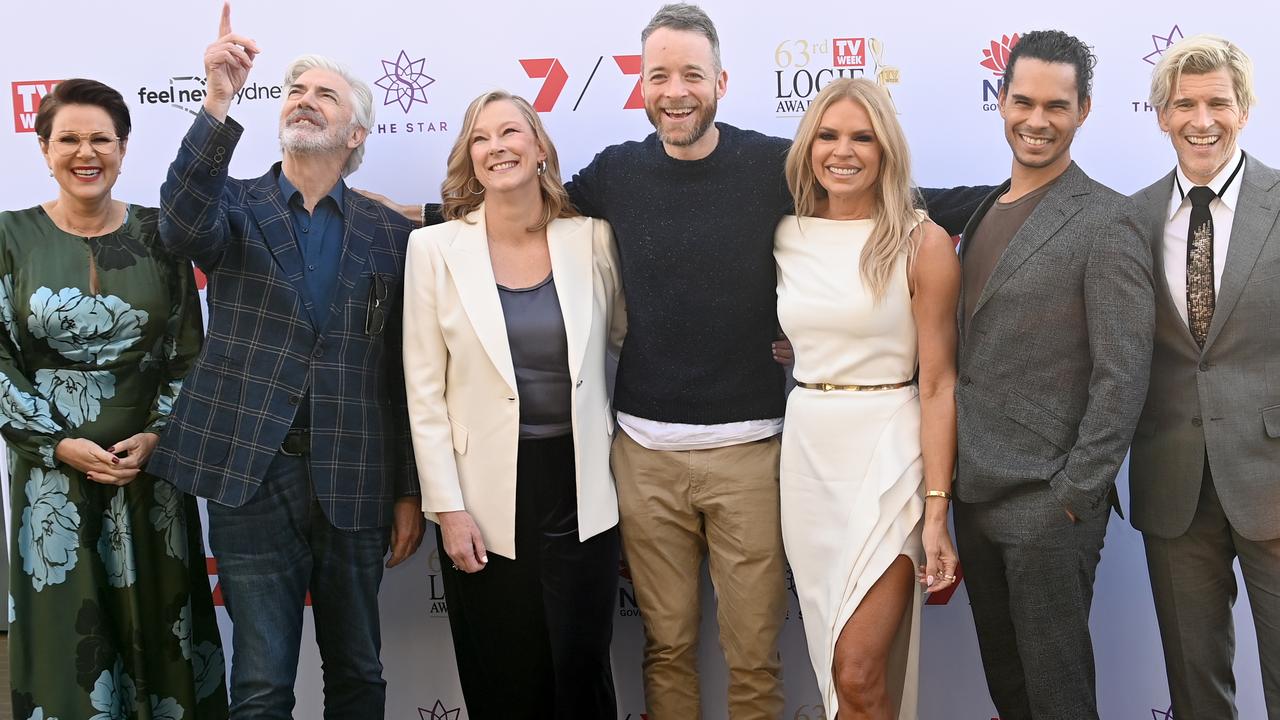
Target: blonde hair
460,176
1197,55
895,216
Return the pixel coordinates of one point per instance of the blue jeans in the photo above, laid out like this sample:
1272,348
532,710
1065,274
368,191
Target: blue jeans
270,552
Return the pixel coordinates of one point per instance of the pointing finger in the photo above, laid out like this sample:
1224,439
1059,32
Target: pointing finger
224,27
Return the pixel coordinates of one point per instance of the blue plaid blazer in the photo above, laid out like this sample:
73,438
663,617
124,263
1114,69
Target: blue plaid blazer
263,356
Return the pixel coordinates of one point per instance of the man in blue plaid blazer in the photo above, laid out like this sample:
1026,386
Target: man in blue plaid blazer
293,422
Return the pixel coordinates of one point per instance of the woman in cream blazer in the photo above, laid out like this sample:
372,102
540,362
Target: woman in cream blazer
510,309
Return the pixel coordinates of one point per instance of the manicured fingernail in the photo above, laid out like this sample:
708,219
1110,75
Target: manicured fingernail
484,558
111,449
929,581
115,461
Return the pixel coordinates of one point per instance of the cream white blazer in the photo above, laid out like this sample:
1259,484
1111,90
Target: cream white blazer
464,408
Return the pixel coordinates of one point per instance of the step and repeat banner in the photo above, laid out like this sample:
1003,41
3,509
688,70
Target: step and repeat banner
578,62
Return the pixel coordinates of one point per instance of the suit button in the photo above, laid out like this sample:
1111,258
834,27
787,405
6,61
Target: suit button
965,380
511,399
578,384
1204,367
318,352
295,399
1197,421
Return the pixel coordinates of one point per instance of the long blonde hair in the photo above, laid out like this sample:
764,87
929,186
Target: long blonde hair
895,216
457,200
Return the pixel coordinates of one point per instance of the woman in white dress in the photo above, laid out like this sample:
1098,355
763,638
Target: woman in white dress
867,291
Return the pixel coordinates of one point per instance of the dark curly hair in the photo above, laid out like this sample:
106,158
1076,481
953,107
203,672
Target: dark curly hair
79,91
1055,46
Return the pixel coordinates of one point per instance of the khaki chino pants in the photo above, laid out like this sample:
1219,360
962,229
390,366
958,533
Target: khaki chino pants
675,507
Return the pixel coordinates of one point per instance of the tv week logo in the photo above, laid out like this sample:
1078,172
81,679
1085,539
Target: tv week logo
555,77
27,95
848,52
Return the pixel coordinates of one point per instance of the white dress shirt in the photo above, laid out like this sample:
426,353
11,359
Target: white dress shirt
1223,210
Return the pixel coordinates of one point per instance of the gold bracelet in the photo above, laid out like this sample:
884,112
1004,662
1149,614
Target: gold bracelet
938,493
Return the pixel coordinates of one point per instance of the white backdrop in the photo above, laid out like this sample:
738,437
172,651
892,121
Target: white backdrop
576,58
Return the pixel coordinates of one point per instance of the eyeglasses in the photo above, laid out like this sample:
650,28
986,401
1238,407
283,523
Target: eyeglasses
68,143
376,319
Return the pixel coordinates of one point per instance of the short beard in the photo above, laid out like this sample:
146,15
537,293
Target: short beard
705,115
295,139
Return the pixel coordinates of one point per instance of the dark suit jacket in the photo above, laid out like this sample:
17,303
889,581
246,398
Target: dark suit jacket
1053,364
1224,399
263,354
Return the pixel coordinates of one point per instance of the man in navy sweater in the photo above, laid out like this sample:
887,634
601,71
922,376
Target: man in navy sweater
699,397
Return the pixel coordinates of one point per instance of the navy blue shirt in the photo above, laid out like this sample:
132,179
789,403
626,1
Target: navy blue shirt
319,235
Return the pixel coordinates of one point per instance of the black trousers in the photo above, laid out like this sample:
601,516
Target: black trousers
532,635
1029,571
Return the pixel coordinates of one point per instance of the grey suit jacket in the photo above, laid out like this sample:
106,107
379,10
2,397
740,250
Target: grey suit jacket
1223,400
1053,364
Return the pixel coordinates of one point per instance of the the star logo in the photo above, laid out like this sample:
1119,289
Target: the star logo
1160,43
1166,714
437,711
404,81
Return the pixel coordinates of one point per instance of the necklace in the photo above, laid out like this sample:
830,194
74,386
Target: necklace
63,221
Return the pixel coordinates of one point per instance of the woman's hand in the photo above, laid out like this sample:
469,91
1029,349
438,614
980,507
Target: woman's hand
940,561
462,541
97,464
136,449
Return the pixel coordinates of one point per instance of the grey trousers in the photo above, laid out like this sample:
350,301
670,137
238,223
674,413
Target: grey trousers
1194,587
1029,573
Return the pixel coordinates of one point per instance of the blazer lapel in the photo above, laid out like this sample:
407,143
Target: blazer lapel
1155,217
1057,207
1255,215
468,260
570,246
358,230
272,213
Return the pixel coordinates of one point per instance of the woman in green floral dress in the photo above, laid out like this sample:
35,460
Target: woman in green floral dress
110,614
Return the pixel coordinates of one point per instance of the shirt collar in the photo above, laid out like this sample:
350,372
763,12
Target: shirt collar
337,193
1229,198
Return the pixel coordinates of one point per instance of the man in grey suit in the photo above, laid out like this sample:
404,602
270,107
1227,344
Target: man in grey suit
1055,322
1205,470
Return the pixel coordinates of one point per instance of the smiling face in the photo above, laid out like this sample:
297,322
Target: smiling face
317,114
87,169
845,155
504,150
1041,111
1203,119
681,87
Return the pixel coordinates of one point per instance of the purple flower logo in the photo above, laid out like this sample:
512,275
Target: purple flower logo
1160,43
404,81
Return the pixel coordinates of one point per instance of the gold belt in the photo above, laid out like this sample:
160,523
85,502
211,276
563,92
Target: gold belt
827,387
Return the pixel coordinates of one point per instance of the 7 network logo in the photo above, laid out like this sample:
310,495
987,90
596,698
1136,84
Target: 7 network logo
555,77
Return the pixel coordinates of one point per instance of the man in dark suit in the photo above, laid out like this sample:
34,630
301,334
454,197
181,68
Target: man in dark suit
293,422
1055,327
1205,470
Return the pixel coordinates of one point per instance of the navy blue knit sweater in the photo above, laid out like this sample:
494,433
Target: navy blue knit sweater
696,245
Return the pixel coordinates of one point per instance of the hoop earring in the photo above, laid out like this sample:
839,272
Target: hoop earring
467,186
542,167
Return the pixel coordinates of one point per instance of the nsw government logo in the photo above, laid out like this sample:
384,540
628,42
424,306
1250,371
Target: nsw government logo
404,83
995,57
627,606
803,67
27,95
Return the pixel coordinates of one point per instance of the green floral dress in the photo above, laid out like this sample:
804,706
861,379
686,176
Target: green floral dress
110,613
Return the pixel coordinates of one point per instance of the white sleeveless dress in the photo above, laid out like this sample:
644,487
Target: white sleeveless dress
851,476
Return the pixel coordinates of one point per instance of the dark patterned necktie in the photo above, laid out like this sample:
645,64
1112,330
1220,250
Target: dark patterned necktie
1200,299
